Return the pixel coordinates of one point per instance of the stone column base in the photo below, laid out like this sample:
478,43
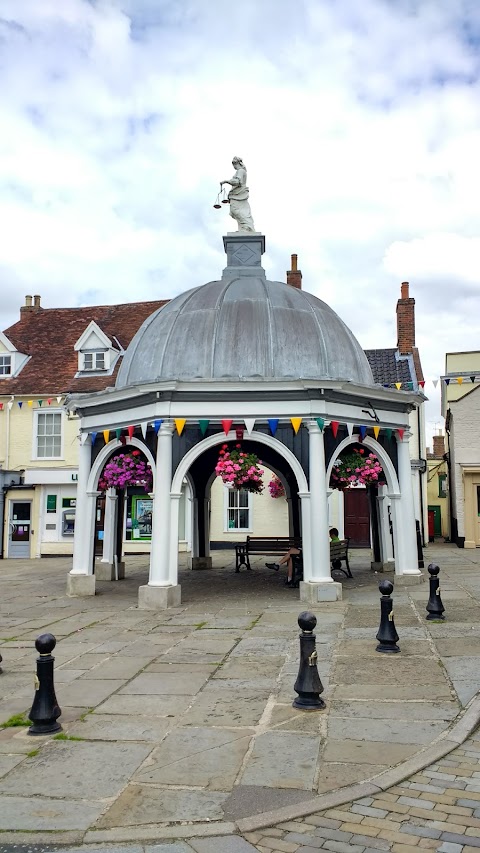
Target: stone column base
410,579
376,567
315,592
106,571
200,563
159,597
79,585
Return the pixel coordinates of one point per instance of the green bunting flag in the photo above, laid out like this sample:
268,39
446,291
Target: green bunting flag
321,423
203,426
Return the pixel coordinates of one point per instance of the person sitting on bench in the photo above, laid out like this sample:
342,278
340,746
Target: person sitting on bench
287,558
334,537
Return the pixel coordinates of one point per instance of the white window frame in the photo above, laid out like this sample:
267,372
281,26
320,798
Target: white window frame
94,356
226,528
37,414
5,357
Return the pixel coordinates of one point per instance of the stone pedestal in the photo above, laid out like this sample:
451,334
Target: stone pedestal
315,592
159,597
106,571
79,585
410,579
244,250
200,563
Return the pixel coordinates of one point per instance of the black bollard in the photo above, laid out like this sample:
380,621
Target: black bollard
435,606
45,710
308,684
387,636
1,670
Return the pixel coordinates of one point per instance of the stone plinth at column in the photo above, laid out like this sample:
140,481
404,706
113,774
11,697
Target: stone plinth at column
80,584
197,563
159,597
315,592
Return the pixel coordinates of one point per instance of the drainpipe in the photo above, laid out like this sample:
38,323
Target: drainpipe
420,480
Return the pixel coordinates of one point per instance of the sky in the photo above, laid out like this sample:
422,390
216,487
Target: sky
359,124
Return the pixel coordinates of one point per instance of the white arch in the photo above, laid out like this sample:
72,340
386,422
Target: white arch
106,452
218,438
375,447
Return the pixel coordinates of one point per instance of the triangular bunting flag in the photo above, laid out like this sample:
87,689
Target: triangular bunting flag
118,433
1,406
226,426
20,404
59,398
350,429
203,426
49,401
447,381
409,386
83,437
157,424
40,402
106,435
388,432
321,424
130,430
459,379
180,423
398,385
9,405
296,424
273,424
362,430
422,383
143,427
435,382
249,424
334,427
29,403
472,379
400,433
376,431
93,436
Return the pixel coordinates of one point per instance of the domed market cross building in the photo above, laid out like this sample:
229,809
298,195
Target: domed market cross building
263,364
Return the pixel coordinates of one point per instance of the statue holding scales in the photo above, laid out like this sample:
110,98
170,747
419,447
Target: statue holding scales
238,197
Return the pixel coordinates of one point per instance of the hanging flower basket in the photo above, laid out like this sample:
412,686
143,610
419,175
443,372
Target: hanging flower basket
276,489
239,470
356,469
126,469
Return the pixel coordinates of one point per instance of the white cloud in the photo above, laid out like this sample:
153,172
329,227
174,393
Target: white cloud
359,123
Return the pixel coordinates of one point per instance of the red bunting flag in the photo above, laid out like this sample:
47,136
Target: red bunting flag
49,401
130,430
400,433
422,383
1,406
226,426
334,425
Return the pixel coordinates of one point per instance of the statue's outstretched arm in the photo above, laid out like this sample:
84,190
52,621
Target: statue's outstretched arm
234,182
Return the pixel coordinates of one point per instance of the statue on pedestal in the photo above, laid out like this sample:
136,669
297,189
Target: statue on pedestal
238,197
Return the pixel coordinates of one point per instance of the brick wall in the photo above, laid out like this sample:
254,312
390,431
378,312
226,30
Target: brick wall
405,321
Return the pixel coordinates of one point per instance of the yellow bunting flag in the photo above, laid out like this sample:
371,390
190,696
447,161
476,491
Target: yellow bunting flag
376,430
398,385
180,423
106,435
296,423
30,403
459,379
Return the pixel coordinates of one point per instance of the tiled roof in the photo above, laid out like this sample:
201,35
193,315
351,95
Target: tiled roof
388,368
48,336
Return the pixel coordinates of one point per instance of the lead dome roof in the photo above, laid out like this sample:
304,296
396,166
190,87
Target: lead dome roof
244,327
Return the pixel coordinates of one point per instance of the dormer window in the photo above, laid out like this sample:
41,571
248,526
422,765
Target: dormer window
5,365
94,360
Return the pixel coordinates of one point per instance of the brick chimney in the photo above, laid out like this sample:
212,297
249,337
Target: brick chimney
32,303
405,321
294,276
438,446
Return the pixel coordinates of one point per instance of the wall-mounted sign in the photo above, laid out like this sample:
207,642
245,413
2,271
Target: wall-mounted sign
51,503
141,517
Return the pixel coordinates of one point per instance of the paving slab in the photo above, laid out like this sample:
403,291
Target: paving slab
144,804
222,844
101,770
17,813
87,692
282,760
146,706
218,707
364,752
206,757
166,683
387,730
118,727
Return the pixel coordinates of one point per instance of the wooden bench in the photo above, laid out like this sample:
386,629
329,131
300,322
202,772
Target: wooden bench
338,554
269,545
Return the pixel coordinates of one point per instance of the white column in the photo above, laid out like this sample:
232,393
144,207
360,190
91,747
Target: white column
160,593
320,586
81,580
385,538
105,569
174,528
407,559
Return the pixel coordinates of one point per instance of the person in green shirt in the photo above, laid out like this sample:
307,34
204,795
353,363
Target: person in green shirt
334,537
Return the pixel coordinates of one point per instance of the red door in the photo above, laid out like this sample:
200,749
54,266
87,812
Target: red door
357,517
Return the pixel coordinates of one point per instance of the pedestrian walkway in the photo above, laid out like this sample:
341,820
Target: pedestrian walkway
179,729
